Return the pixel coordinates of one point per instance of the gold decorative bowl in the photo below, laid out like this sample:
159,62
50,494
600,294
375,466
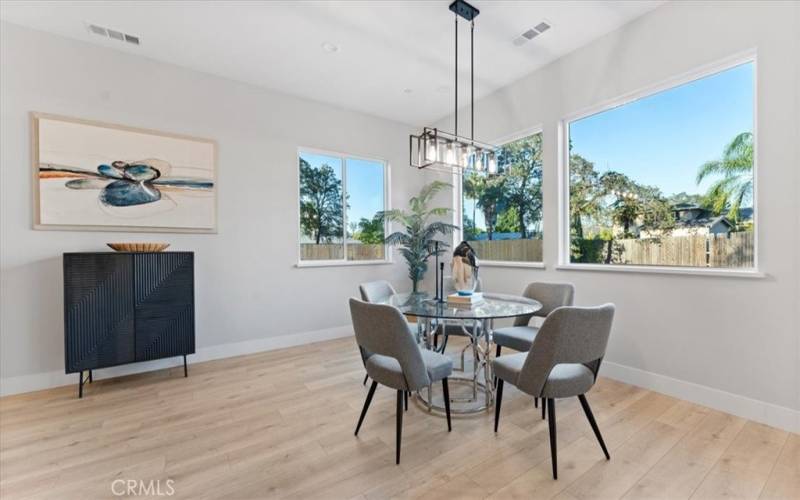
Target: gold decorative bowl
138,247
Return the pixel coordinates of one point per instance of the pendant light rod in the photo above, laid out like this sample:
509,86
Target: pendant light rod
472,78
456,78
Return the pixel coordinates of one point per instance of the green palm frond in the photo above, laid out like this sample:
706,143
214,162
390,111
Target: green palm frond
417,242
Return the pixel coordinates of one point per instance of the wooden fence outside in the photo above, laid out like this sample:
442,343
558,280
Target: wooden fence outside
509,250
355,251
734,250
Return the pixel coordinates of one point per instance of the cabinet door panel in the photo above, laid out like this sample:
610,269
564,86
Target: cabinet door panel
164,298
98,311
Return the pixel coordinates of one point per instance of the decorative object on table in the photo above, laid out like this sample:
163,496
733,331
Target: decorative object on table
461,300
417,242
95,176
449,152
441,282
465,269
127,307
138,247
438,297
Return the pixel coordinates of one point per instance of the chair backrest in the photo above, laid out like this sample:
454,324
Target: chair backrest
568,335
382,329
376,291
550,295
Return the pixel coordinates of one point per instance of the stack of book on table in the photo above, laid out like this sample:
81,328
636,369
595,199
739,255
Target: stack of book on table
456,300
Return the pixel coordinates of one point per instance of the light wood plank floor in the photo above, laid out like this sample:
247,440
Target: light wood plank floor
280,424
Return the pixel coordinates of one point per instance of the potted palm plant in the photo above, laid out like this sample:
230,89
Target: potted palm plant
418,241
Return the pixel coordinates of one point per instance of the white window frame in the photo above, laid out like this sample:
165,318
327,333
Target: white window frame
749,56
458,202
387,203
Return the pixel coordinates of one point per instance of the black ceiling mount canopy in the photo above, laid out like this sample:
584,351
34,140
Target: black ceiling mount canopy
464,10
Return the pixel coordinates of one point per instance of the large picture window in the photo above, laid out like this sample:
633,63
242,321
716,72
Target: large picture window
341,200
501,214
666,179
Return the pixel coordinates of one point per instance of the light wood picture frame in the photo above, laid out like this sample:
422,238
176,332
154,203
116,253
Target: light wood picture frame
94,176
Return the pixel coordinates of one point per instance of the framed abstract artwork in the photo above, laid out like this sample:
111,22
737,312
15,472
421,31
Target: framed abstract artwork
96,176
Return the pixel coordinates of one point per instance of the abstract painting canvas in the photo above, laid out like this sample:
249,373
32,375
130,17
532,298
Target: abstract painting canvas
96,176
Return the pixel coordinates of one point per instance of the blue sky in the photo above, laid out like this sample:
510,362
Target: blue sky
364,183
661,140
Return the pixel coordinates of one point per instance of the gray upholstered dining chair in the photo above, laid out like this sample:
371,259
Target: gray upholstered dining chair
397,360
373,291
562,362
520,336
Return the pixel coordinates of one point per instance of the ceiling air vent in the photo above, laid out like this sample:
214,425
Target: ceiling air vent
113,34
531,33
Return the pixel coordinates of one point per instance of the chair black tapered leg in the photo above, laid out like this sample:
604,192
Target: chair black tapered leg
544,407
405,399
551,420
590,417
366,377
535,402
498,401
446,394
399,425
80,385
366,405
496,355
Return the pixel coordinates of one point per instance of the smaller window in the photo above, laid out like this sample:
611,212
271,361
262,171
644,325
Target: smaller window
502,214
341,200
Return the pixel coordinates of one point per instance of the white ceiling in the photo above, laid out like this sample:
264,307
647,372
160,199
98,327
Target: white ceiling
395,58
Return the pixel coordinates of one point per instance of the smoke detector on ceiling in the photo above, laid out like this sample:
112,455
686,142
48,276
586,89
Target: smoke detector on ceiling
531,33
113,34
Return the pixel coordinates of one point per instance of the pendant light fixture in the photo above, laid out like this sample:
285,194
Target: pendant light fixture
440,150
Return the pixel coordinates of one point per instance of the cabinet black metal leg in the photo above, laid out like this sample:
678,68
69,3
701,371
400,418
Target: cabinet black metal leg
588,412
366,405
498,401
446,391
544,407
405,400
90,377
80,384
366,377
399,425
185,367
535,402
551,420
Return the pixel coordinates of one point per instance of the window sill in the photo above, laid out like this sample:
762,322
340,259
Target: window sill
726,273
512,263
341,263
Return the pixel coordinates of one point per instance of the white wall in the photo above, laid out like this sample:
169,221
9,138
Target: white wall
249,294
725,342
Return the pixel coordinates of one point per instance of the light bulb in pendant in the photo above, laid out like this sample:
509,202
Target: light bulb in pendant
492,164
430,152
450,154
479,160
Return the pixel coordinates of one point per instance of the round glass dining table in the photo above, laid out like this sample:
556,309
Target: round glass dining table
473,322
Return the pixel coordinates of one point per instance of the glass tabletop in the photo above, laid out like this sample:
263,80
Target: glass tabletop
494,305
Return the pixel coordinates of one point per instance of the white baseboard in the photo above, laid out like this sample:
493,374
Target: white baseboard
48,380
741,406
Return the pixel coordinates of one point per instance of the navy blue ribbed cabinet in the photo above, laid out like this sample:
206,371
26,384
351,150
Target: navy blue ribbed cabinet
126,307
